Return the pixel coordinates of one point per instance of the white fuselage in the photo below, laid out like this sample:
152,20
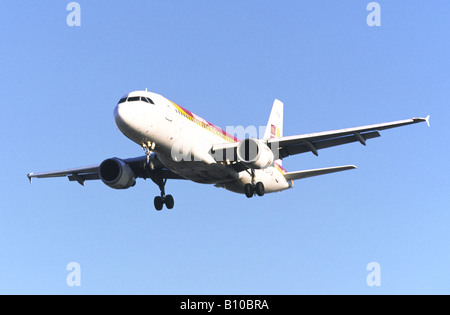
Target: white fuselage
182,141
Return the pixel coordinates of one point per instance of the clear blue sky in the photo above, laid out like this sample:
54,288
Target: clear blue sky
227,61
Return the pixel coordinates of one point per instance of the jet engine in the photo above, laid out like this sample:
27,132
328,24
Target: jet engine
117,174
253,153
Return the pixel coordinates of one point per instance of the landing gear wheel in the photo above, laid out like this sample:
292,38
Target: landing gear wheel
158,202
168,200
160,178
248,189
259,188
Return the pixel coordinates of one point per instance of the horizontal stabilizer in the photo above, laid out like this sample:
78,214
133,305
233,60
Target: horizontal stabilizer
317,172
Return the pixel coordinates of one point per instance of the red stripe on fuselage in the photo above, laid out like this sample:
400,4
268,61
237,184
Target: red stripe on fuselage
205,123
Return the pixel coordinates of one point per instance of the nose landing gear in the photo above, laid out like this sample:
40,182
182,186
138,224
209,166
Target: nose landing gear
148,147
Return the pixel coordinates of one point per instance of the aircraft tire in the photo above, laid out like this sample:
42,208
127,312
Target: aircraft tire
248,190
159,203
168,200
260,189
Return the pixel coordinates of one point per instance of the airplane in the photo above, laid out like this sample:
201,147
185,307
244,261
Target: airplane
178,144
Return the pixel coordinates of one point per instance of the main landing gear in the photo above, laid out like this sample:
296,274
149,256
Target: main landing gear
162,200
251,189
159,202
160,179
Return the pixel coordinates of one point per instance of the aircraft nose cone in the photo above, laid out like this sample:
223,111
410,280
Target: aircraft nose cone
123,116
118,113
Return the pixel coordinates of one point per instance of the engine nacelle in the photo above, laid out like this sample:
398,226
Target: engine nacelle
254,154
117,174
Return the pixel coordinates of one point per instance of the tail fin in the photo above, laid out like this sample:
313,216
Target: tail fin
274,128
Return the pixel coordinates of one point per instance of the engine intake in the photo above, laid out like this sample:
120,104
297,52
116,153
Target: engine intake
117,174
254,154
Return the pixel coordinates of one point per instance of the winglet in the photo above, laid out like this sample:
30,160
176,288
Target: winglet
426,119
30,177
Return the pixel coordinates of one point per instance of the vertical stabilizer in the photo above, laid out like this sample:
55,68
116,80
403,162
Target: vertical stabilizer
274,128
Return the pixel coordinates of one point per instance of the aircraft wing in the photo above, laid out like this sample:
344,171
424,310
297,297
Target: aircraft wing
315,141
317,172
312,142
81,174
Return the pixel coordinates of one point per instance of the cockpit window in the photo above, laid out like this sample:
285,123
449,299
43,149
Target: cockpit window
133,99
147,100
123,100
